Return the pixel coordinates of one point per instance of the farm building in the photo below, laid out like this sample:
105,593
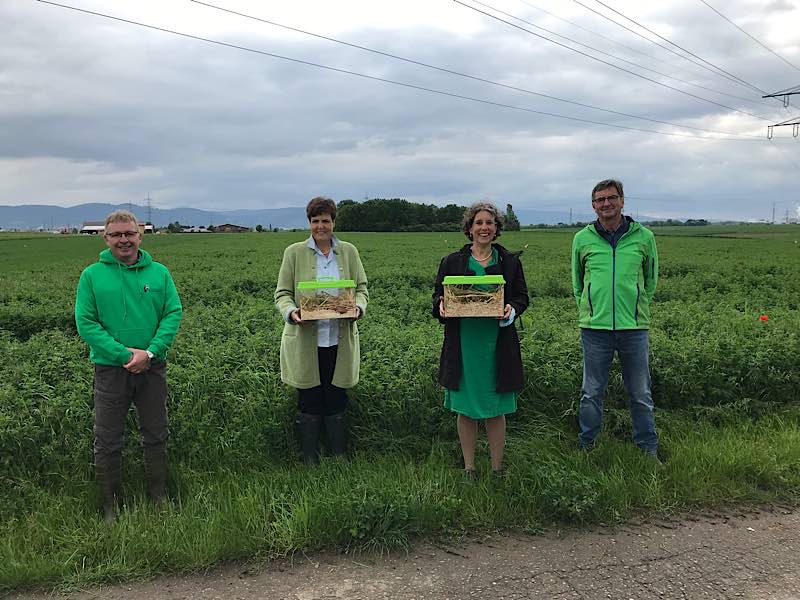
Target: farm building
228,228
97,227
93,227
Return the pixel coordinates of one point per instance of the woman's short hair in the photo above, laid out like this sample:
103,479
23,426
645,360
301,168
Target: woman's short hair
321,206
469,217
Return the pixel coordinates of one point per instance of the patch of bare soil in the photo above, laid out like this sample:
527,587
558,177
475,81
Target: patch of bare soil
749,556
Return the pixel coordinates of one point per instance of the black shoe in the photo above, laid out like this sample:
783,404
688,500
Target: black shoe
336,431
307,428
108,475
155,472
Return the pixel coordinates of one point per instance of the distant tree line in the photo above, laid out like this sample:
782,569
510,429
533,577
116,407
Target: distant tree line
667,223
396,214
677,223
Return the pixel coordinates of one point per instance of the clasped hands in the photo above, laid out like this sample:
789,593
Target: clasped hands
139,361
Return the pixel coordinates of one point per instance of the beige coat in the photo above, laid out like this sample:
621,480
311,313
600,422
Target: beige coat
299,364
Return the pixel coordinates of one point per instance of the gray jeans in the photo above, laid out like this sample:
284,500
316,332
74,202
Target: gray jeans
115,388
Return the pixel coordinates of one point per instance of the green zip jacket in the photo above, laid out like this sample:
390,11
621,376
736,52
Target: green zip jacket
119,307
614,286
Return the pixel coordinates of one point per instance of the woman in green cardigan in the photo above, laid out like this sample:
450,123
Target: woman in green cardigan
320,358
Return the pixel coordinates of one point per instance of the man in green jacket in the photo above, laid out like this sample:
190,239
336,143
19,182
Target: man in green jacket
614,275
128,311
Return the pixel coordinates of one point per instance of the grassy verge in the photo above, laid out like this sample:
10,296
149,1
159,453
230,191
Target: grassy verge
53,536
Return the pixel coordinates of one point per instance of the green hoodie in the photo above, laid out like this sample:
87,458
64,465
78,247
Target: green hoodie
614,286
119,307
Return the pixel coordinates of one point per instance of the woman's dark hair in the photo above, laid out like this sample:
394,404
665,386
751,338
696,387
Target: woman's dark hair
469,217
321,206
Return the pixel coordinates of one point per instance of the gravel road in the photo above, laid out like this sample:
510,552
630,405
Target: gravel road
750,556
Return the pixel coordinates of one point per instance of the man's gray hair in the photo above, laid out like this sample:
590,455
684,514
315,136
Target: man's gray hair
607,183
122,216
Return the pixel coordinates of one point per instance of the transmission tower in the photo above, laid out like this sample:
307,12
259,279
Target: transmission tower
795,122
149,209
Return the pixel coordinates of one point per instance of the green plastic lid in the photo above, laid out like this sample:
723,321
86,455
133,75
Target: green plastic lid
326,284
474,279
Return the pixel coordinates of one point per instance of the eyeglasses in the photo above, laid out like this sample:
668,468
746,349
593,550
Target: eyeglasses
115,235
612,199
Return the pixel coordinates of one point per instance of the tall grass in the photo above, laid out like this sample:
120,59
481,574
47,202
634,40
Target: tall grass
726,384
380,501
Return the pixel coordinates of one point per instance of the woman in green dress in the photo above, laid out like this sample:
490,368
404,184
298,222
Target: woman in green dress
481,363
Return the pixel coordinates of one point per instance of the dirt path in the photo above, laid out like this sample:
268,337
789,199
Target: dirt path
751,556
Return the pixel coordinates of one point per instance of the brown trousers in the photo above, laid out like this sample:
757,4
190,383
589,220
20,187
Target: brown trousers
115,388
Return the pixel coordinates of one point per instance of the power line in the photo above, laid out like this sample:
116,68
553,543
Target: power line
784,95
612,55
600,60
650,56
721,70
595,33
790,90
757,41
381,79
460,74
667,48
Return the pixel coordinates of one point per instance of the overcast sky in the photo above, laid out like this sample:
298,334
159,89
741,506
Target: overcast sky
97,110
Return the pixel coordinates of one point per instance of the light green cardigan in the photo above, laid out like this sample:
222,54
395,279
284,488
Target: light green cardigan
299,364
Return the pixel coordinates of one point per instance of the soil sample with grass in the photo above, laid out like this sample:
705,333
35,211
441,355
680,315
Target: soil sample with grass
327,299
473,295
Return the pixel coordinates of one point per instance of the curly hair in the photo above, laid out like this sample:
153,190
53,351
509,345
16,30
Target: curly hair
321,206
469,217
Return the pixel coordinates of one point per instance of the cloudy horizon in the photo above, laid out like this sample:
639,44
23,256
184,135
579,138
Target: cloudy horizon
98,110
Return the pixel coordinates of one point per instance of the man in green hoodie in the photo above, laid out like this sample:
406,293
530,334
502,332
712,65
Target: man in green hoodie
614,275
128,311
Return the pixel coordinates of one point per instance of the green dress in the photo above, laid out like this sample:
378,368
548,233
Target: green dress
476,396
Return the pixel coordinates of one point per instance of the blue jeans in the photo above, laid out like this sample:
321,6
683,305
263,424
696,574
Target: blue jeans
632,348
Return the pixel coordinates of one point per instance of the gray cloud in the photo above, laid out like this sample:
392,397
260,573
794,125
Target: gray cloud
92,110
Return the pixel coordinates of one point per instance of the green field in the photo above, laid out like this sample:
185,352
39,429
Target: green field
726,386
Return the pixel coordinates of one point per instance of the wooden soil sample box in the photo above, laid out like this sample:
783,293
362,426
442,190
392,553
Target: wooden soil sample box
327,299
474,295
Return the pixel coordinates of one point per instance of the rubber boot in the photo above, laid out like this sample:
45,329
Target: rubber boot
336,430
307,428
108,475
155,472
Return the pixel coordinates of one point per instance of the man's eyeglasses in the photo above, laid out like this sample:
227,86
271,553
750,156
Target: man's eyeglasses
613,198
116,235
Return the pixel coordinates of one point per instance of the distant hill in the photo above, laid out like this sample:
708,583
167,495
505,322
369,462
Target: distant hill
36,216
42,216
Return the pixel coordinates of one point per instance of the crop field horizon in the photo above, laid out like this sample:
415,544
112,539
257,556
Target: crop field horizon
726,385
